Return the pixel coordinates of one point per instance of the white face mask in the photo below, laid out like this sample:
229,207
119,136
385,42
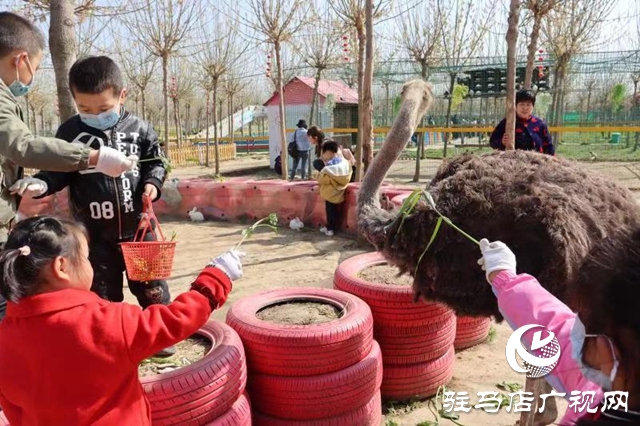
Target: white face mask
578,337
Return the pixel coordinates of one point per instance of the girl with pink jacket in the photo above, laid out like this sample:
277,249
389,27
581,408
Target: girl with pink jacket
598,355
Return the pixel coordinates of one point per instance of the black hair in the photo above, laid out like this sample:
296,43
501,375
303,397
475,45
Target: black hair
95,74
46,238
607,294
18,33
316,133
330,145
302,124
525,95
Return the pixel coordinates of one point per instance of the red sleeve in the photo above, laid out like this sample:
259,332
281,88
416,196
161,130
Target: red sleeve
150,330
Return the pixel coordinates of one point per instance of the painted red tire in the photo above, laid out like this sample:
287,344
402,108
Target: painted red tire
200,392
303,350
391,305
238,415
320,396
367,415
404,382
471,331
401,346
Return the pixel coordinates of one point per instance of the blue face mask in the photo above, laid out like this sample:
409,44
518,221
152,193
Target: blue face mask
18,88
578,337
102,121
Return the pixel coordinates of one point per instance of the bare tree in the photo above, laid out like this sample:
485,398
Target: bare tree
277,21
570,29
291,65
512,40
538,10
421,35
232,86
220,53
161,26
463,29
319,49
139,66
353,15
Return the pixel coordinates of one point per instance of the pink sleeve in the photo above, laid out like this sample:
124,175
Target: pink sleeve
522,300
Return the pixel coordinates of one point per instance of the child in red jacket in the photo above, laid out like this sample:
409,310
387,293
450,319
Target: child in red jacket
68,357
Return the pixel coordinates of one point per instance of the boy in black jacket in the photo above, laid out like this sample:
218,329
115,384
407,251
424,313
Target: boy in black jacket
109,207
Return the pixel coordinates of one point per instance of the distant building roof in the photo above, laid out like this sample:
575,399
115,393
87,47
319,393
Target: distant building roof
299,91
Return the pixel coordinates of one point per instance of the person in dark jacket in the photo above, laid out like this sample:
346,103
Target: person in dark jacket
532,133
109,207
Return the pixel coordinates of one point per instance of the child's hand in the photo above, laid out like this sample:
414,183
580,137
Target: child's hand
496,257
29,187
229,262
151,191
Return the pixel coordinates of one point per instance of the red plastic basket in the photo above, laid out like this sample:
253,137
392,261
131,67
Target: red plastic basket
148,260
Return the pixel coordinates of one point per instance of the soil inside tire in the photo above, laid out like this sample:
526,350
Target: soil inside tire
385,274
188,351
299,313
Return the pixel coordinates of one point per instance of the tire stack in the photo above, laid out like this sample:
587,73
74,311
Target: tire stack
316,374
211,391
416,338
471,331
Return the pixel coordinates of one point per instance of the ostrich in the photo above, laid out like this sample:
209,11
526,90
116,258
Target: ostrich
550,212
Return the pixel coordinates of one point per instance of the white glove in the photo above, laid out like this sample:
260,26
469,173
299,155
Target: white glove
496,256
113,163
29,187
229,262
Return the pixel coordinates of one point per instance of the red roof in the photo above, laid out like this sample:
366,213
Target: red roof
299,91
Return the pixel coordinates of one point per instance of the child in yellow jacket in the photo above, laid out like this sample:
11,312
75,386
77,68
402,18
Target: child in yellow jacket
333,180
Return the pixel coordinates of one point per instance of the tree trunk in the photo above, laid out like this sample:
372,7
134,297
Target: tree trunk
42,121
231,118
188,119
62,44
420,142
165,96
512,39
176,121
367,89
314,100
216,142
207,142
447,135
143,104
533,48
362,41
387,104
281,113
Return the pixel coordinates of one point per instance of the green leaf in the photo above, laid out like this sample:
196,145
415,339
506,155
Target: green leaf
448,415
428,423
390,423
511,387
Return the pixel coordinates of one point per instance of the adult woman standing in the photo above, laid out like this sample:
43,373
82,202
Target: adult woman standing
302,142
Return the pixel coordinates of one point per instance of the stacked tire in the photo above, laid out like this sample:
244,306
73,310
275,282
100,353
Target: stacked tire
316,374
416,339
211,391
471,331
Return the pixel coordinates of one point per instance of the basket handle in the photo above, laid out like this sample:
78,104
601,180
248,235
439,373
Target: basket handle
148,217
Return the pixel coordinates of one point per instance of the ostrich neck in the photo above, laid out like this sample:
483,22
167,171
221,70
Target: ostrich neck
396,140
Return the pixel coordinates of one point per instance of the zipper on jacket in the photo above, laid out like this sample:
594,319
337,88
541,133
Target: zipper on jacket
115,182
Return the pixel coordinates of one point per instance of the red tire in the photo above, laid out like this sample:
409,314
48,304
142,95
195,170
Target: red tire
368,415
403,382
471,331
200,392
391,305
303,350
412,345
320,396
238,415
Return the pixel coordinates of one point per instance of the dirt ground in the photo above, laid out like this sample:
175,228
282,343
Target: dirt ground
308,258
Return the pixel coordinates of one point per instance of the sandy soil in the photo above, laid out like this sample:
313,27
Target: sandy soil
299,313
187,352
385,274
308,258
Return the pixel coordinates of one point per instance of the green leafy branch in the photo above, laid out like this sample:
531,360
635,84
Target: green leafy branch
165,162
248,233
408,208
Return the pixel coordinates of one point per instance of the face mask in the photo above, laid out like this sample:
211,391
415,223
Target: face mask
578,336
102,121
18,88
